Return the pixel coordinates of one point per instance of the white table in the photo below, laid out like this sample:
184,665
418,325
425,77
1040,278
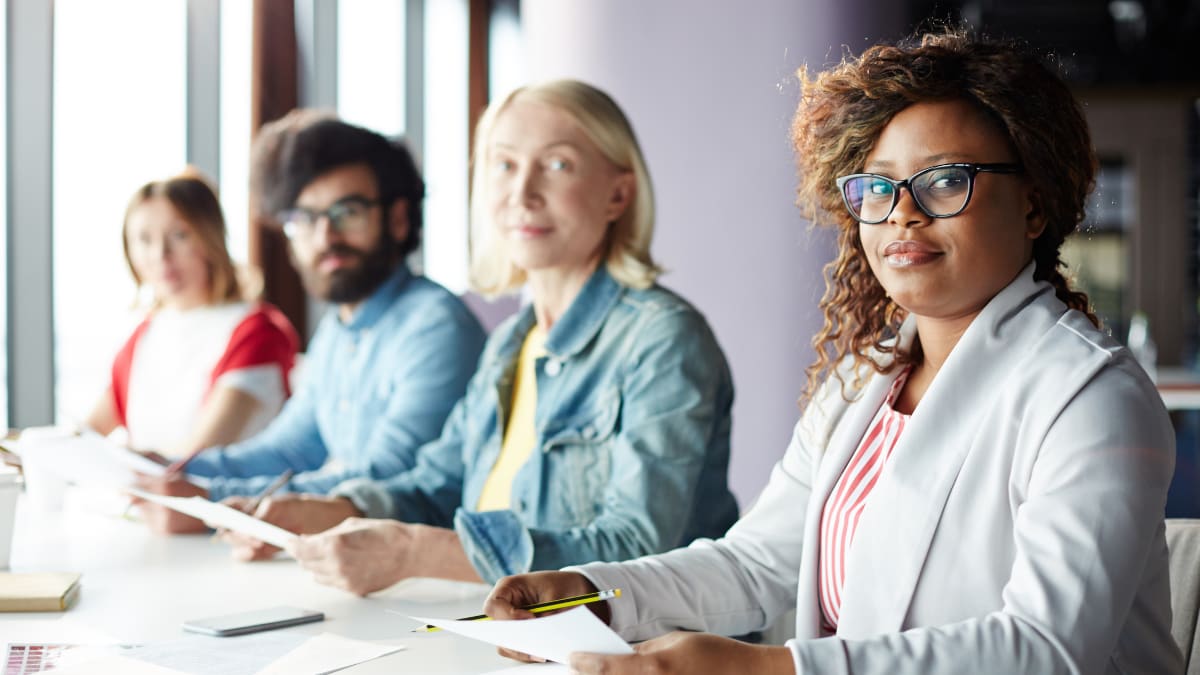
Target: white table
138,587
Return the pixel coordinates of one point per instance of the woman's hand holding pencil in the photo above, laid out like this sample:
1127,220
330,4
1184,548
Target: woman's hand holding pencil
512,597
549,607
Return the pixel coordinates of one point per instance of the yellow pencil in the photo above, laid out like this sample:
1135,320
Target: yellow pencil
542,606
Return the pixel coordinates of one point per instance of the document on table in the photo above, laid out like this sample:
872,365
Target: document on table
551,637
205,655
220,515
260,654
326,653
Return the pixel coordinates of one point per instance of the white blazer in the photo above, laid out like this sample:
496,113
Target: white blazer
1016,528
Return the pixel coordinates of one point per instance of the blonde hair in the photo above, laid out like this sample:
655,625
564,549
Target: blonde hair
628,242
191,194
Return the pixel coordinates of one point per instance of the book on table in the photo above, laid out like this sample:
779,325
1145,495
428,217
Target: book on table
37,591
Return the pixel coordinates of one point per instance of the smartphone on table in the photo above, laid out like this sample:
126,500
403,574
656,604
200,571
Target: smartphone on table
253,621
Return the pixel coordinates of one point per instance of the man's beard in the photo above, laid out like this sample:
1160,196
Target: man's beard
355,283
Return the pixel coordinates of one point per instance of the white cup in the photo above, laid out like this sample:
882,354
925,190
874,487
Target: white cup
45,489
10,488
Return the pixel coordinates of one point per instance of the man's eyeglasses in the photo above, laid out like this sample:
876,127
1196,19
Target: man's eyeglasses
349,215
941,191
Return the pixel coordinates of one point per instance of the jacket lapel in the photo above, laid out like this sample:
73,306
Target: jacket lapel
844,440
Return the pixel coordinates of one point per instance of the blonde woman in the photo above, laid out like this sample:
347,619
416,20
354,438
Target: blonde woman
597,425
208,365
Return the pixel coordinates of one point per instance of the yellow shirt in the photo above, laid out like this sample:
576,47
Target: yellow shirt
520,435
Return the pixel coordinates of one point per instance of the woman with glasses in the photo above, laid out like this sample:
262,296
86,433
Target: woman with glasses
978,479
208,365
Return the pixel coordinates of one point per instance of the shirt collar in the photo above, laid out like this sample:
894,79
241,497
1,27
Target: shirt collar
583,319
371,309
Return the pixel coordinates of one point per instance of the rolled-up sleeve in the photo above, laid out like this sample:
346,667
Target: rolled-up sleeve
496,542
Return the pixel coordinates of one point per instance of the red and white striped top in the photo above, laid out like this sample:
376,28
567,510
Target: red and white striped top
839,519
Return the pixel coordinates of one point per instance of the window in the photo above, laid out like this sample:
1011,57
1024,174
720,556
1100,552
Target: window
506,69
1098,255
237,23
371,64
446,127
119,117
373,88
3,230
119,121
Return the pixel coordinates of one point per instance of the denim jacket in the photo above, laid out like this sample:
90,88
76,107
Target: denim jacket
374,390
632,424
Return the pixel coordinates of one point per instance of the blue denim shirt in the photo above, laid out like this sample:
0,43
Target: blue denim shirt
373,391
632,423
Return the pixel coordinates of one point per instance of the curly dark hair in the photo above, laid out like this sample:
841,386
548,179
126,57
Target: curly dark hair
841,114
294,150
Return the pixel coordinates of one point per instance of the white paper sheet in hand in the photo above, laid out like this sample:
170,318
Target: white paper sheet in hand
89,460
551,637
219,515
124,456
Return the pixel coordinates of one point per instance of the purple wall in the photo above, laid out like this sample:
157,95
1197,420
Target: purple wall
710,88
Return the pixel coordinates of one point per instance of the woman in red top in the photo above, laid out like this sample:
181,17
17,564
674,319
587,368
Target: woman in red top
207,366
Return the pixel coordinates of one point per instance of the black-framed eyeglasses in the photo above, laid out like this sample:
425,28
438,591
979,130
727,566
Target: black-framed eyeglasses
348,215
940,191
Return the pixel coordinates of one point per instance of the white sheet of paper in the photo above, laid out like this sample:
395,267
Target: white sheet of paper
208,655
191,655
326,653
88,460
219,515
551,637
124,456
113,663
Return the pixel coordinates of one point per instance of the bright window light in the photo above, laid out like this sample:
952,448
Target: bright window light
3,224
506,58
237,20
370,72
446,122
119,121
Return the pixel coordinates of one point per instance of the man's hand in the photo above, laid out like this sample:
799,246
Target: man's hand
690,653
159,518
302,514
364,555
